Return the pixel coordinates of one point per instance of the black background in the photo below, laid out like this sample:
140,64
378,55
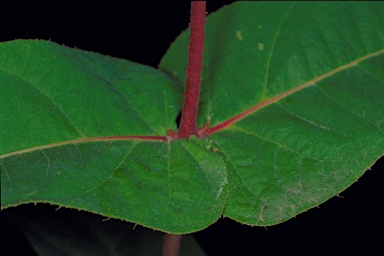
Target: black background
142,32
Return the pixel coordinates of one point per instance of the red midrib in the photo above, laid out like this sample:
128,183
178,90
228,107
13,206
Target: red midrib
102,138
236,118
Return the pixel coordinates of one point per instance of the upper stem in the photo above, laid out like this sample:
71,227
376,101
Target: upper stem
188,123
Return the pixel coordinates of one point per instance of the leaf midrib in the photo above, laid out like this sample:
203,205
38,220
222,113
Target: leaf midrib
285,94
83,140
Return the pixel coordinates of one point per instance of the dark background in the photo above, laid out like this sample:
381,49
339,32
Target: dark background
142,32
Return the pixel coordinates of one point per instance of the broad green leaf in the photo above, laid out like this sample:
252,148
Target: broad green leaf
293,92
68,232
304,82
59,105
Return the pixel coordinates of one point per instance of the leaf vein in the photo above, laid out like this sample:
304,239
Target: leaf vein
286,147
309,121
6,172
51,100
267,70
110,176
348,109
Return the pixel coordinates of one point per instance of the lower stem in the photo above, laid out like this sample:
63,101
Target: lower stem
171,246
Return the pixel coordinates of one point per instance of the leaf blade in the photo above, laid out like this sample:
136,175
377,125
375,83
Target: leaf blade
171,193
93,137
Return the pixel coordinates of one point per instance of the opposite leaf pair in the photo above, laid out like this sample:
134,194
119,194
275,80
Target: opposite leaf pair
307,76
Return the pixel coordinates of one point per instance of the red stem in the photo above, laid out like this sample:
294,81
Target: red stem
188,123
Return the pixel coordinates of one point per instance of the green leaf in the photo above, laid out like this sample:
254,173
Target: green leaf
302,87
293,93
60,107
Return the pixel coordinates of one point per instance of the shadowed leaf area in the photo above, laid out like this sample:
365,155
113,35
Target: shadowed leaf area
66,232
293,93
